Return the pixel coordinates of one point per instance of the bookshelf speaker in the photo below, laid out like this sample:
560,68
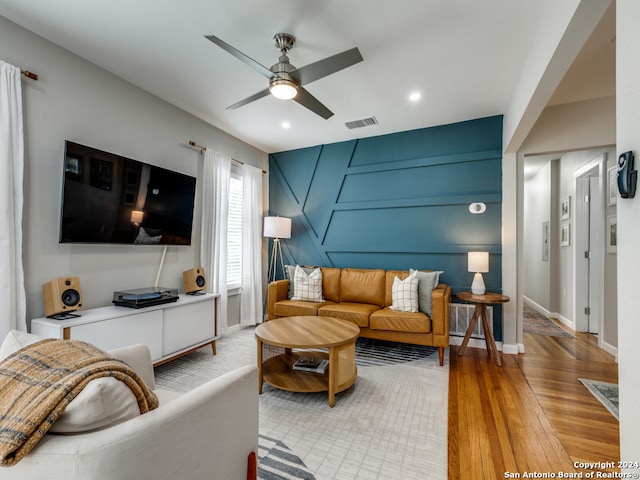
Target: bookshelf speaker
194,280
61,295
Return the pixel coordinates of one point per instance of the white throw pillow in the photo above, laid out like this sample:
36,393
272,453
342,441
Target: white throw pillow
290,271
307,287
103,402
427,282
14,341
404,294
144,238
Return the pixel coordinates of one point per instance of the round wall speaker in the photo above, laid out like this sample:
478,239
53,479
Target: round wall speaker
194,280
61,295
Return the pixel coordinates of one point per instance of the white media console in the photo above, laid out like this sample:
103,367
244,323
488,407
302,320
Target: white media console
169,330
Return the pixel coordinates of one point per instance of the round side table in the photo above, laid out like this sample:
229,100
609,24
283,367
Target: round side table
481,302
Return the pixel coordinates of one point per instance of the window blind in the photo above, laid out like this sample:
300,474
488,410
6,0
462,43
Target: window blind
234,233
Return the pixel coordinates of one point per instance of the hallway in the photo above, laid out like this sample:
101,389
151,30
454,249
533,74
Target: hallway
532,414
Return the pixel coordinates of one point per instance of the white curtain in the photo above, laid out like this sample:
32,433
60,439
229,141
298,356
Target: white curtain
251,298
12,294
215,212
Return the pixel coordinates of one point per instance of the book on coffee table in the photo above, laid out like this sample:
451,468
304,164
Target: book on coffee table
311,364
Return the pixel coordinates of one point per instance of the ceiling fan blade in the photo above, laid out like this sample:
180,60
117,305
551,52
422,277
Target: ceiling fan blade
322,68
307,100
261,69
252,98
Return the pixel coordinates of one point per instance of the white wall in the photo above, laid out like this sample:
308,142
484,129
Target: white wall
570,163
76,100
573,126
558,40
628,138
537,210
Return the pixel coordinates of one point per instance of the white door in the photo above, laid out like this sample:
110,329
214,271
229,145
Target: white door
589,251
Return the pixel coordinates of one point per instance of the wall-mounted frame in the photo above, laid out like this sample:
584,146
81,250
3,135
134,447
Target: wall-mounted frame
545,241
73,168
131,178
565,208
612,234
100,172
129,197
565,235
613,186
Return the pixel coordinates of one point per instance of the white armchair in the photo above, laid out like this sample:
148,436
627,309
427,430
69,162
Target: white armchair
207,433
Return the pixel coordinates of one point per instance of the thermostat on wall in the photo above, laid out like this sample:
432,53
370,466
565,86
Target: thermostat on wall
476,208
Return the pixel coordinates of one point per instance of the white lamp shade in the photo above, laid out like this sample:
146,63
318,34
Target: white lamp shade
478,262
277,227
137,216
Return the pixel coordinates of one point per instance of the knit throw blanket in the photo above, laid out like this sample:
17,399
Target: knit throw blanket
40,380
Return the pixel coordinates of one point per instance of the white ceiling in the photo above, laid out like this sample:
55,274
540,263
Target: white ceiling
463,56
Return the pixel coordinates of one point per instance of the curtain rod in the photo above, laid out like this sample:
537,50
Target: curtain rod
28,74
194,144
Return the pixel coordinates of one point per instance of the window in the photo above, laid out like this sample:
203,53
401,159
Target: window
234,232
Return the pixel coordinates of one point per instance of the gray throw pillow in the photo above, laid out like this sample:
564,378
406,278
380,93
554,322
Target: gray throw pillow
427,282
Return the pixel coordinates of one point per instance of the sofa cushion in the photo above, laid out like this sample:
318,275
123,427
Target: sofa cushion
387,319
290,308
103,401
404,294
307,287
331,283
357,313
289,272
362,286
389,278
427,281
137,357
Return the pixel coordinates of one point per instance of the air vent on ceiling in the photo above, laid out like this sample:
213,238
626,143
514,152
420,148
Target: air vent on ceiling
365,122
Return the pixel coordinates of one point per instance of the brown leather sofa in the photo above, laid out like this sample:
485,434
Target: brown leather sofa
363,296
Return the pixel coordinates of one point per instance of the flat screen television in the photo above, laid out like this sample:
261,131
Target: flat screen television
107,198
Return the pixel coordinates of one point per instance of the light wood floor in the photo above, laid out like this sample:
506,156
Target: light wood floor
532,414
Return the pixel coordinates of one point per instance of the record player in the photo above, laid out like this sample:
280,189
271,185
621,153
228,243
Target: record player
145,297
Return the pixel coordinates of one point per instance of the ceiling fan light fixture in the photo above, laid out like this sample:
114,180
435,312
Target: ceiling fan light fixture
283,88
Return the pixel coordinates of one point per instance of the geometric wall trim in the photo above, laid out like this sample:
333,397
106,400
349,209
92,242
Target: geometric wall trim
396,201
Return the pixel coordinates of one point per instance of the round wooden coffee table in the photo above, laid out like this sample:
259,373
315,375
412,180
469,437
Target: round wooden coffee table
306,333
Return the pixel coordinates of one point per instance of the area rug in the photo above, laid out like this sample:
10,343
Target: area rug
537,324
392,424
606,393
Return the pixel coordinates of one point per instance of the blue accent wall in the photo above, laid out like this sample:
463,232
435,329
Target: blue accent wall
396,201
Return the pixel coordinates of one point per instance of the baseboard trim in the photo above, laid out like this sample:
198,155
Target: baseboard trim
233,328
607,347
562,319
537,306
511,349
473,342
565,321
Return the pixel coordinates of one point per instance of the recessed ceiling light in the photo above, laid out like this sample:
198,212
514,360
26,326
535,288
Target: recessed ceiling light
415,96
286,125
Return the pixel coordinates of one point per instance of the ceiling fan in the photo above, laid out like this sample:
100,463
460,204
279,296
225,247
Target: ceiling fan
285,80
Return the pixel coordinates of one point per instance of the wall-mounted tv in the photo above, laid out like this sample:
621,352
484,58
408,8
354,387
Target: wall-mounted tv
107,198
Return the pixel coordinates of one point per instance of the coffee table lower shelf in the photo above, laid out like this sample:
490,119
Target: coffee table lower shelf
279,373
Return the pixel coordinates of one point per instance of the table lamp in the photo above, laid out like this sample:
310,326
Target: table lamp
136,217
276,228
478,263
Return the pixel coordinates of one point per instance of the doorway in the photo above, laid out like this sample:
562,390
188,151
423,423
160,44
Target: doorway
589,249
577,285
